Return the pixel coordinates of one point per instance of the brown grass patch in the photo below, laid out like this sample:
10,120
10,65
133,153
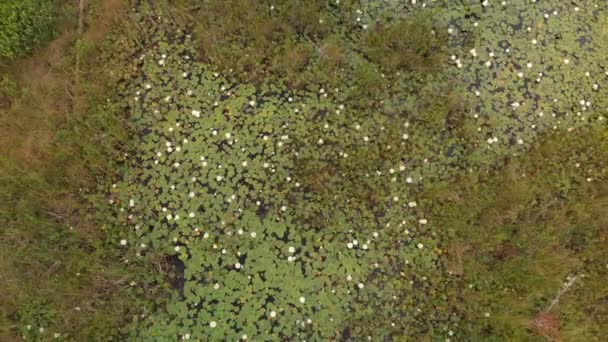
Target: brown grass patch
546,325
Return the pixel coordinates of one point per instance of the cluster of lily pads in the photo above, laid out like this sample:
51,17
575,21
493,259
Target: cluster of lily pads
294,211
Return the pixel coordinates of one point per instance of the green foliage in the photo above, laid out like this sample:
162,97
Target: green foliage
25,24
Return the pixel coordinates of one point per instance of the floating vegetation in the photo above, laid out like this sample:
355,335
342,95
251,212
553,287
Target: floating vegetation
295,209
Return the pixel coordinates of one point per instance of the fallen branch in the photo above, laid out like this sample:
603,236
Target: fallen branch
567,285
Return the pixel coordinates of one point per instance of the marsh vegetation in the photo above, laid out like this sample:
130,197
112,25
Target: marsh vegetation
303,170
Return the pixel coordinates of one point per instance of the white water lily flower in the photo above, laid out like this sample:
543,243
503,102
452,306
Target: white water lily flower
196,113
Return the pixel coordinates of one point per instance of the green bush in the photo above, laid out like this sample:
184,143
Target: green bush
23,25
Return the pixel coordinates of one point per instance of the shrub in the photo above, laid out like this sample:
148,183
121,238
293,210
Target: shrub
23,25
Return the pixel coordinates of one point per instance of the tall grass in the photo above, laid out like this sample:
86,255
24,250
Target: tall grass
520,233
61,135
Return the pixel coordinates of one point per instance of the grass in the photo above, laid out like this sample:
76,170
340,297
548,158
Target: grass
59,141
521,232
298,42
263,36
406,45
